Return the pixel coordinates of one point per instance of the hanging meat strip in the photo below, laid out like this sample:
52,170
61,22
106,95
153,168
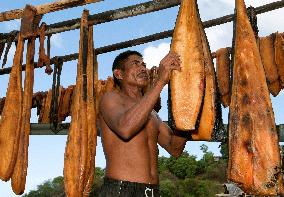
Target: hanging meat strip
10,122
20,171
91,114
45,113
266,49
60,104
186,42
208,113
76,148
65,103
109,84
44,117
223,74
43,59
254,157
279,55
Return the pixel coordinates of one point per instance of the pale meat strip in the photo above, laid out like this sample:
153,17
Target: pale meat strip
64,108
279,55
254,161
223,74
187,86
75,154
45,119
208,113
18,180
91,115
10,122
266,49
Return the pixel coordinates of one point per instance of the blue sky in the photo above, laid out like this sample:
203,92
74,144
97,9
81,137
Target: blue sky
46,153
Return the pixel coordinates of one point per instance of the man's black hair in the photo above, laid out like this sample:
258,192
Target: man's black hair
117,63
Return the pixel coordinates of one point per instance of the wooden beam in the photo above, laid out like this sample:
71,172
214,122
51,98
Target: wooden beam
45,8
46,129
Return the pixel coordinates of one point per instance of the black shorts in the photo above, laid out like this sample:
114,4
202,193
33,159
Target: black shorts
117,188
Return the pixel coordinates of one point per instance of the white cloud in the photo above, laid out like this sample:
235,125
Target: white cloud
270,22
220,36
153,55
57,41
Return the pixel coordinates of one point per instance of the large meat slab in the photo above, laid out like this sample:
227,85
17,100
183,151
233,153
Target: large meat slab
187,86
254,157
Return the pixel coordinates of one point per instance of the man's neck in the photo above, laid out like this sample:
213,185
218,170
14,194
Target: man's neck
132,92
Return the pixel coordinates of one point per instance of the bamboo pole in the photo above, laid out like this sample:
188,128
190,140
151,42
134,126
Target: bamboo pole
45,8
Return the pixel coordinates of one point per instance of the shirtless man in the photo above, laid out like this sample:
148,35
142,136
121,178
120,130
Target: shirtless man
131,128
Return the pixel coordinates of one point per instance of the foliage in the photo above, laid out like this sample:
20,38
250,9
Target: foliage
49,188
55,188
224,150
184,177
184,166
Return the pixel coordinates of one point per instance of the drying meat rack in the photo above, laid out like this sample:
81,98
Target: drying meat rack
108,16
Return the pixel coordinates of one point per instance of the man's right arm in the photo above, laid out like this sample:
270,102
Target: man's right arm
128,122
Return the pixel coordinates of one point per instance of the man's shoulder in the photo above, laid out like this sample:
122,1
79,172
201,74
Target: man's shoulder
111,95
110,98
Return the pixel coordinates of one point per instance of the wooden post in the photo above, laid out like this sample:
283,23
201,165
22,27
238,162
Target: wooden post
45,8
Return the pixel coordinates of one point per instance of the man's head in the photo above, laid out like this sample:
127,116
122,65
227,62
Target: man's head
128,61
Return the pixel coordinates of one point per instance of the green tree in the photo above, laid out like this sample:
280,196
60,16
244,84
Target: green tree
205,161
55,187
183,177
184,166
224,150
167,188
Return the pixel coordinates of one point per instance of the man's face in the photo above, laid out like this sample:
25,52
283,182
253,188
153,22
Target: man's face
135,71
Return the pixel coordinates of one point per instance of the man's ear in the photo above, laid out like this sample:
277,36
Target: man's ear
118,73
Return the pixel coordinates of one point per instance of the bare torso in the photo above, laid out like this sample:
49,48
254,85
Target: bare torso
134,160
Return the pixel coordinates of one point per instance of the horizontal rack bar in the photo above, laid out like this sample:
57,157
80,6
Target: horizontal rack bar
45,129
156,36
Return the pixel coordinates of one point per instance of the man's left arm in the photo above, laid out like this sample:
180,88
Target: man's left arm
173,141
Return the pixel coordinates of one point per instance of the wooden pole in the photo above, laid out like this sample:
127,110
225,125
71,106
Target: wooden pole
45,8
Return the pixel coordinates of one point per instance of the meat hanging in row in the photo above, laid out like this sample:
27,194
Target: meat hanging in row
18,179
279,55
223,74
271,51
208,107
266,49
187,43
81,142
10,123
15,119
254,156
